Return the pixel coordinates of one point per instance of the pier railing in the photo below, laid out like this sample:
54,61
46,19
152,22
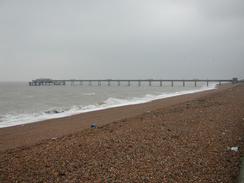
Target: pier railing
108,82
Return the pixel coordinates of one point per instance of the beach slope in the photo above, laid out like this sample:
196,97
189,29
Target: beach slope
191,139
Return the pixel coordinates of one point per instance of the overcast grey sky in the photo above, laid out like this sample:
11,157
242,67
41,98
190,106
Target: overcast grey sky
90,39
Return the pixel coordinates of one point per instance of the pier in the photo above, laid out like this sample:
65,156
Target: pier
127,82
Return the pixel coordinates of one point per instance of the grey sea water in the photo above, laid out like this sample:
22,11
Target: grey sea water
20,103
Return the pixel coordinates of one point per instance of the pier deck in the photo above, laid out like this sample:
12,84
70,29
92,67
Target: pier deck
99,82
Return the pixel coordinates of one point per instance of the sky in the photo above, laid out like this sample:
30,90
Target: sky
128,39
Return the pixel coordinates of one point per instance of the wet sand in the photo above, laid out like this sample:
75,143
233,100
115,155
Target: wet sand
179,139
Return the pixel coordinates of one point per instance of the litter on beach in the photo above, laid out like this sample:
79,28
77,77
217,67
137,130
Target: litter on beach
236,149
93,125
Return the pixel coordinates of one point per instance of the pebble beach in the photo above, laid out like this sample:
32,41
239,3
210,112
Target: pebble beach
190,138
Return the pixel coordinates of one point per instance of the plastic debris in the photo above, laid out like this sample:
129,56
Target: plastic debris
93,125
236,149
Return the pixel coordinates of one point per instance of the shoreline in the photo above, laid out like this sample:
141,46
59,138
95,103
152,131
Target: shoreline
31,133
55,114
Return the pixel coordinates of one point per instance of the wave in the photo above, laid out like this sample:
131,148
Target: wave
22,119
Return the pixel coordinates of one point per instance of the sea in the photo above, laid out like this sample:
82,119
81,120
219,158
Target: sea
21,104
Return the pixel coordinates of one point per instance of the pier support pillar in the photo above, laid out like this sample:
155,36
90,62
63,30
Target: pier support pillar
195,83
150,83
207,82
109,84
161,83
90,83
219,82
118,83
184,84
128,83
172,83
139,83
81,83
